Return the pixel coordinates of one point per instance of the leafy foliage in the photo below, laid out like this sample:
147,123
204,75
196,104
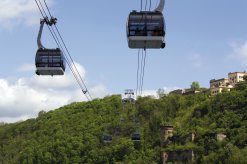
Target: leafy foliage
73,133
195,85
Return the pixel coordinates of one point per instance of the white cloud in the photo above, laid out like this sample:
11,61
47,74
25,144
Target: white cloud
29,95
240,52
15,12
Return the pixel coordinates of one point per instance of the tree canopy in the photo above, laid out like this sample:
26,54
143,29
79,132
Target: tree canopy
195,85
74,133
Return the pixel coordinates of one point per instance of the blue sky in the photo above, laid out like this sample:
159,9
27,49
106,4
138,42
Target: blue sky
205,39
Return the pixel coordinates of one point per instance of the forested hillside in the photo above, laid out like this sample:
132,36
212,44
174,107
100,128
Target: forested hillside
74,133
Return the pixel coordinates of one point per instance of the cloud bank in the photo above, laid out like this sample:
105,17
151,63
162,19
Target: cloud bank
15,12
28,95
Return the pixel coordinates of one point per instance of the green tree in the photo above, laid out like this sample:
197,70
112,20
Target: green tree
161,92
41,113
73,133
195,85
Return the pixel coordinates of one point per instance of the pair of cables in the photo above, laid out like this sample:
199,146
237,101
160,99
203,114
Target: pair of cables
61,44
142,54
146,3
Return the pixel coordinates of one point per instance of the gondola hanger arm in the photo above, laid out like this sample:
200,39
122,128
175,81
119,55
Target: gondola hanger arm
50,22
161,6
42,22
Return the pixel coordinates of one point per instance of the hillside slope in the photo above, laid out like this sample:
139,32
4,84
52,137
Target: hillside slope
74,133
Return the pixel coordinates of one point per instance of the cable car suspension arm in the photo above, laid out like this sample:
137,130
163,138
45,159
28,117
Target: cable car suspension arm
161,6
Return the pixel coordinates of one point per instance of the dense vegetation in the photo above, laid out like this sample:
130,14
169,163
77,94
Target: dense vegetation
73,133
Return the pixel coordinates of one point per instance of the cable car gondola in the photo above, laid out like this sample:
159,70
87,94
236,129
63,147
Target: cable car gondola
48,61
107,139
146,29
136,137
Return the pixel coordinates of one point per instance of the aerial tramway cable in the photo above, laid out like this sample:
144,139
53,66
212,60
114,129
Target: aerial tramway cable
146,5
141,64
137,74
86,90
58,42
141,5
72,66
143,69
145,30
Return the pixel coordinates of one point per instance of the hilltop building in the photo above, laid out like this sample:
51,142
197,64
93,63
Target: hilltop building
236,77
217,85
226,84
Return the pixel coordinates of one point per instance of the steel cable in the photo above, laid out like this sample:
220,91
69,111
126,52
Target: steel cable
53,33
69,54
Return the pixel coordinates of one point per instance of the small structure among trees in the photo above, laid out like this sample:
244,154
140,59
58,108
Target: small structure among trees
184,156
129,96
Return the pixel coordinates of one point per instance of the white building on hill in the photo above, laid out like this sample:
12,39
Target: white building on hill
226,84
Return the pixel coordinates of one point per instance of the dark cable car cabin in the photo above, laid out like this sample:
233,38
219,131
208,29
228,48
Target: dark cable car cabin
48,61
136,137
107,139
146,29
